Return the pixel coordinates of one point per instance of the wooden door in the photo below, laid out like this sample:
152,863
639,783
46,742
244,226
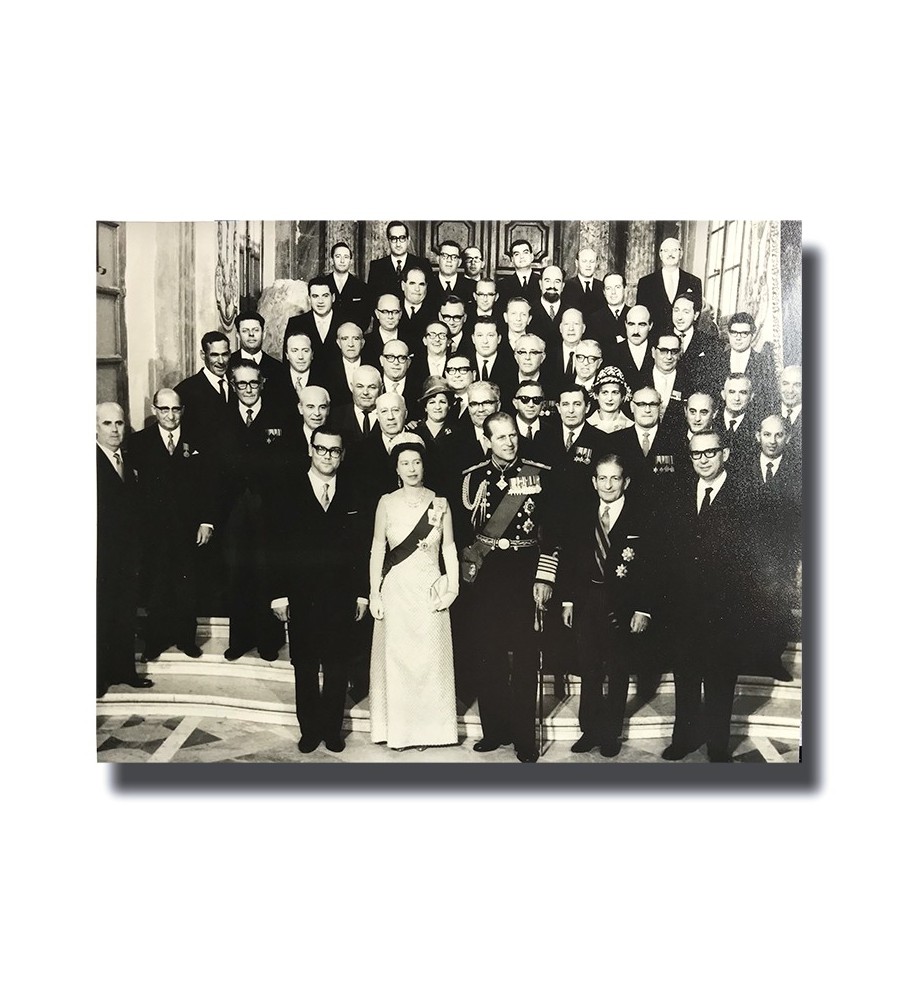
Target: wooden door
112,374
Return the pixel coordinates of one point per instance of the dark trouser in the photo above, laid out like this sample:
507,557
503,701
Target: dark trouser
117,594
604,650
708,718
251,622
320,713
170,592
503,621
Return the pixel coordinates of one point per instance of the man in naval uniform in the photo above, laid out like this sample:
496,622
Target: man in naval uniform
511,564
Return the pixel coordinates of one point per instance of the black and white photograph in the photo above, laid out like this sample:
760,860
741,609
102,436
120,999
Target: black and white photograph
458,492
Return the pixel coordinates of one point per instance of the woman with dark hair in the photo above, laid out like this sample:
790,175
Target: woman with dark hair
611,393
412,682
437,399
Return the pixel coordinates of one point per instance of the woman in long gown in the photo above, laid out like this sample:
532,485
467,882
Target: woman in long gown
412,682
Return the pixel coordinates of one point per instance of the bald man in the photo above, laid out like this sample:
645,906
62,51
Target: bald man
117,554
658,291
177,504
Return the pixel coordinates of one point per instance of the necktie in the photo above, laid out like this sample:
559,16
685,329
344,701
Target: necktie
569,368
118,459
299,382
366,424
645,443
769,473
456,406
398,269
524,282
171,444
601,536
732,424
448,287
552,312
223,388
587,287
484,374
325,499
249,416
569,441
704,506
530,432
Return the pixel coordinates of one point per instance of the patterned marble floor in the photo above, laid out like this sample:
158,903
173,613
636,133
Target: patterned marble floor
187,739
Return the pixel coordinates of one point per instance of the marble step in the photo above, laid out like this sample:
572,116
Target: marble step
255,690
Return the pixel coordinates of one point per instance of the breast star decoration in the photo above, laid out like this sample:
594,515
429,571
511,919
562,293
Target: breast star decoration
621,570
627,554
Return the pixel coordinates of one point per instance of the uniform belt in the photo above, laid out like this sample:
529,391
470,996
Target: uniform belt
508,543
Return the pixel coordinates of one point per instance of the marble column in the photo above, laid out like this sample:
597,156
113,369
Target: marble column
641,255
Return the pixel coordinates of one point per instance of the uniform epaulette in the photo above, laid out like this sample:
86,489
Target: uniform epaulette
473,468
538,465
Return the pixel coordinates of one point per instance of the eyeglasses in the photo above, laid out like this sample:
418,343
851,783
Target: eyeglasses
673,351
451,317
169,409
482,402
245,386
522,353
588,357
450,256
436,335
395,358
484,295
707,453
645,403
390,312
459,370
398,239
470,258
536,400
323,451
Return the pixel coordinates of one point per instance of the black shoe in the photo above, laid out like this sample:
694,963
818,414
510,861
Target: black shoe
150,654
138,681
268,654
308,744
718,755
781,674
558,685
335,743
190,649
529,756
233,653
584,744
485,745
674,751
610,748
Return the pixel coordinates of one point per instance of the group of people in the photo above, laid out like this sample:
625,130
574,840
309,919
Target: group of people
449,483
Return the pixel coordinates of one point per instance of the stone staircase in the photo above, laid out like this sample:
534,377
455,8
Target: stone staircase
255,690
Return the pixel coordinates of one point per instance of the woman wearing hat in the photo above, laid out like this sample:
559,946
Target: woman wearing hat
437,399
611,393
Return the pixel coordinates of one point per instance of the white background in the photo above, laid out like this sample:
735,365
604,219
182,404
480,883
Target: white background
181,111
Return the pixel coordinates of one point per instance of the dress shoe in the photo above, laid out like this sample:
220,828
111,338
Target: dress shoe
530,755
781,674
485,745
190,649
233,653
335,743
138,681
268,654
675,751
558,685
585,744
150,654
718,755
610,748
308,744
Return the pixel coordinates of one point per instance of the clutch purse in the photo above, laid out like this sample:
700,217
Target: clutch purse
439,591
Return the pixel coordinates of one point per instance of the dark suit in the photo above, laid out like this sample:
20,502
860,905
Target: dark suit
306,323
176,495
343,419
412,328
419,372
761,372
318,560
554,371
383,279
604,604
509,287
354,303
543,325
609,332
706,570
504,373
698,364
652,476
652,294
254,455
436,289
623,359
205,410
741,441
454,453
117,565
576,296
